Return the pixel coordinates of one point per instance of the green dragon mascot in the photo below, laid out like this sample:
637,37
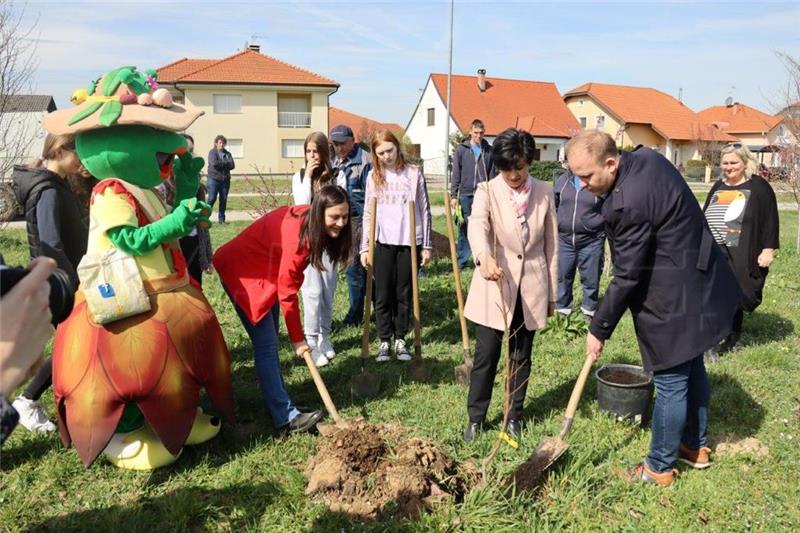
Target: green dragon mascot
130,388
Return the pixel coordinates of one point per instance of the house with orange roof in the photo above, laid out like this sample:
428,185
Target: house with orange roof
363,127
761,132
646,116
500,103
265,107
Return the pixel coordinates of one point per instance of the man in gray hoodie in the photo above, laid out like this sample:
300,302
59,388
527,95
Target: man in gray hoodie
472,164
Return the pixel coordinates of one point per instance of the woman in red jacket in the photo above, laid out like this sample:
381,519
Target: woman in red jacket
262,269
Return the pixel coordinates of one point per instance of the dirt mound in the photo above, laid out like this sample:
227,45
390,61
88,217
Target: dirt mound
749,446
367,470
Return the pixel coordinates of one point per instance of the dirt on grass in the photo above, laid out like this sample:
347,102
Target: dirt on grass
369,470
749,446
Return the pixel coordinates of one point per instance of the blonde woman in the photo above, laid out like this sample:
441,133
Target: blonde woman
742,213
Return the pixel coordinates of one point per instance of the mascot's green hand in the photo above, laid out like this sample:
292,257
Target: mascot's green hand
139,241
187,175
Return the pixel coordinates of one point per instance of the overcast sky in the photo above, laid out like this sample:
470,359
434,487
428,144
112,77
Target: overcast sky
382,52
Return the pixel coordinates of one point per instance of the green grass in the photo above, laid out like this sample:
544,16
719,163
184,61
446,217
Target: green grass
250,479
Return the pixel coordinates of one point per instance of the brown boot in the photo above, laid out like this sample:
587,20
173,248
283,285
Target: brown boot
696,458
641,473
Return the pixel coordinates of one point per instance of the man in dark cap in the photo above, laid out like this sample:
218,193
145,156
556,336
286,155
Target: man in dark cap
351,166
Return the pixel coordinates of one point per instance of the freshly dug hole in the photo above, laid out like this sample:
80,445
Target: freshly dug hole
367,470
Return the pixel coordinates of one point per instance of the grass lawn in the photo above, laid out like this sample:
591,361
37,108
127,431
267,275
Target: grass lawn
249,479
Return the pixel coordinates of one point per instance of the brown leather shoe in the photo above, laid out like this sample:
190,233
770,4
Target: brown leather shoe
696,458
641,473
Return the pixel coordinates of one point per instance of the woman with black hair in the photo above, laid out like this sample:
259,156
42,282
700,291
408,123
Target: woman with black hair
262,269
513,234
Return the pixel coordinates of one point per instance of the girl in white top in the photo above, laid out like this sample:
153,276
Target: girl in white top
394,182
319,286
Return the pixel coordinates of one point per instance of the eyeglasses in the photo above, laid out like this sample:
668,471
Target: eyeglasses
733,145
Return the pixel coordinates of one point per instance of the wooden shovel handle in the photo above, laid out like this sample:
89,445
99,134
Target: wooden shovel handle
575,397
457,277
321,388
412,231
373,208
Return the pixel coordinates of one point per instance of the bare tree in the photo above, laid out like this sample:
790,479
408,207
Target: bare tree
17,68
788,143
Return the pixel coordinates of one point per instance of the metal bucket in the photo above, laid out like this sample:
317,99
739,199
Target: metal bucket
625,392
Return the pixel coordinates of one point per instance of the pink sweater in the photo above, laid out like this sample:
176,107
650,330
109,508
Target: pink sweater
392,218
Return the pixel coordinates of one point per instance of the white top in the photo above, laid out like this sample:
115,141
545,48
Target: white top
301,190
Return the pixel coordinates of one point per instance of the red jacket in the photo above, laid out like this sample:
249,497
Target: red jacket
266,262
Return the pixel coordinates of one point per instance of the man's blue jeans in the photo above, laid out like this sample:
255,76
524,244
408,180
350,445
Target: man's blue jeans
680,413
220,188
588,259
264,336
462,247
356,276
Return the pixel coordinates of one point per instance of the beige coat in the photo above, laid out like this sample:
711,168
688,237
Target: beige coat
493,227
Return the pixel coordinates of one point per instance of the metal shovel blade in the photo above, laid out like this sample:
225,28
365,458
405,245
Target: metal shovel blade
365,385
528,473
463,371
418,370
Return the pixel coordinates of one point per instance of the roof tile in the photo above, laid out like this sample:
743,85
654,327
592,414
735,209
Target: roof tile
533,105
739,118
361,126
27,103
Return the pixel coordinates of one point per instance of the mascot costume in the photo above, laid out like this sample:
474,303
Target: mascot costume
128,366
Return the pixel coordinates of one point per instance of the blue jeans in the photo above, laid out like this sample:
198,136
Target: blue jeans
356,276
589,260
218,187
462,247
680,413
264,336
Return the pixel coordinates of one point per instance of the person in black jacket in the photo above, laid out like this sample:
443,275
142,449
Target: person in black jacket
472,164
743,215
58,227
675,281
220,164
581,243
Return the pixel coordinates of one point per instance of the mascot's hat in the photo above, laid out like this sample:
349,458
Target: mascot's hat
123,96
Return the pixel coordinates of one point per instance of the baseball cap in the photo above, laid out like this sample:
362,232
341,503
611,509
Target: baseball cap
341,133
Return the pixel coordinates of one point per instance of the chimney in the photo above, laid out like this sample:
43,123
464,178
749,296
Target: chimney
482,79
254,47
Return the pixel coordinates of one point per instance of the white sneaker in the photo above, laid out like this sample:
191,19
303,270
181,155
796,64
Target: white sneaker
400,350
32,416
326,347
319,358
383,352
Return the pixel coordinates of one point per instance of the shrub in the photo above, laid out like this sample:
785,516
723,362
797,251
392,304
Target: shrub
546,170
694,163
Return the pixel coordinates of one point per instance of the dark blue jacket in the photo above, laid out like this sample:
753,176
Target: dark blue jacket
469,171
220,164
667,269
580,221
356,167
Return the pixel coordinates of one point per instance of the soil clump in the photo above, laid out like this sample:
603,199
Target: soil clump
369,470
624,377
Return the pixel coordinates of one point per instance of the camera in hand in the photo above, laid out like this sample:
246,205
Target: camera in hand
62,296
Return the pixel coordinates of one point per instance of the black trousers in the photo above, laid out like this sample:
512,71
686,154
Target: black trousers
392,273
190,248
41,381
488,344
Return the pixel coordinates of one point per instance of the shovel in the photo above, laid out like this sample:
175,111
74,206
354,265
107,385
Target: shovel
366,384
417,370
550,449
462,371
321,388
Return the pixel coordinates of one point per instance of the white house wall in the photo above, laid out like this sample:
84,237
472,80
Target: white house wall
28,124
431,139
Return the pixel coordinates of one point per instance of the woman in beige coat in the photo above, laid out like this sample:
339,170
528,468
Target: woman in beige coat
513,234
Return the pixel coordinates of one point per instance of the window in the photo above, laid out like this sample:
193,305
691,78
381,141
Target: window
431,116
601,122
292,148
227,103
583,122
178,98
294,111
580,101
236,148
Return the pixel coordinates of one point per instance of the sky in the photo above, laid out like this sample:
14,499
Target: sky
381,53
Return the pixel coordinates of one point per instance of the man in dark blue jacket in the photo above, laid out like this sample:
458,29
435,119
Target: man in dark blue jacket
580,243
352,166
220,164
675,281
472,164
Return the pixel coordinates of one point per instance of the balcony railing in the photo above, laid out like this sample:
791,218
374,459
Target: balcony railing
294,119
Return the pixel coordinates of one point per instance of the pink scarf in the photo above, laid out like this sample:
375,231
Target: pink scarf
520,198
